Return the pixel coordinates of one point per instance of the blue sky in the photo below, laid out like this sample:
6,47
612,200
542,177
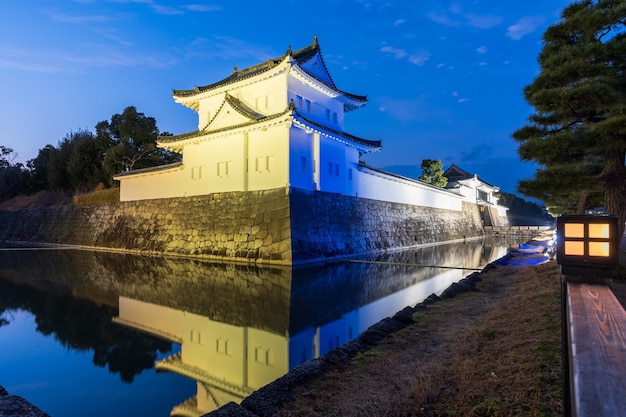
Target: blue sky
444,78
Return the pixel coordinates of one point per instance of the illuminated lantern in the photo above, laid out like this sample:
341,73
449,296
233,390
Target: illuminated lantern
587,244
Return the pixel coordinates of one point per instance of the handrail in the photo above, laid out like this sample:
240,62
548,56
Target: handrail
595,331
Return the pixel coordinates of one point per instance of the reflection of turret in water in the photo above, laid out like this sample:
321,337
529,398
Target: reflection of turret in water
228,362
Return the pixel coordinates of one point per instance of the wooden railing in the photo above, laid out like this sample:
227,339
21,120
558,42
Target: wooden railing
594,351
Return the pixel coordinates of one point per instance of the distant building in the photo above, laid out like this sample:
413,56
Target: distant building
477,191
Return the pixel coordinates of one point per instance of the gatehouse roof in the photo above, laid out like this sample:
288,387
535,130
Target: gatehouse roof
300,58
455,174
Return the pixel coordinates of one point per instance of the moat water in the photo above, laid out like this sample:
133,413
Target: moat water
102,334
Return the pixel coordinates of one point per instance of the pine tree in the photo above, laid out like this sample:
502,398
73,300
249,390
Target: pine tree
578,130
432,172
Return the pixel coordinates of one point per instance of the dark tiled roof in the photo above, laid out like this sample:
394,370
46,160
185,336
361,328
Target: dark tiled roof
356,139
255,120
300,56
151,169
241,108
197,133
455,173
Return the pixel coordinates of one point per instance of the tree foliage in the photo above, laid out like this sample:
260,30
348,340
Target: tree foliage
76,165
578,131
13,181
83,160
432,173
522,212
131,141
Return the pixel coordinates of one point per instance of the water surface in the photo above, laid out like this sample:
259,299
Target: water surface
101,334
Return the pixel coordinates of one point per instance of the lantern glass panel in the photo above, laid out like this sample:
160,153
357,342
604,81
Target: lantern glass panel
599,249
574,230
574,248
599,230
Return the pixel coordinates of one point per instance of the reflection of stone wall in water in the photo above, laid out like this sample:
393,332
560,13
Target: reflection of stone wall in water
366,282
265,226
236,294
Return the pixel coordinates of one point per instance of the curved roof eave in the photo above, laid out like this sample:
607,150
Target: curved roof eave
353,101
365,145
178,140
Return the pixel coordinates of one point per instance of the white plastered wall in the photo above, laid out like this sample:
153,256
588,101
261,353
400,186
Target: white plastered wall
380,186
160,184
268,158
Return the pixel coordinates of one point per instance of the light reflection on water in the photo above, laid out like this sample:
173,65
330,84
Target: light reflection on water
76,326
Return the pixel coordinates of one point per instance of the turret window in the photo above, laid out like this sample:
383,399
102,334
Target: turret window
264,163
223,168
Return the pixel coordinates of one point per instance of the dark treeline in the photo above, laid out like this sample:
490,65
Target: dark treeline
524,213
82,325
85,160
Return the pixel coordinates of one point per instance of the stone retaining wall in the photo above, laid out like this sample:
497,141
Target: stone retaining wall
326,225
281,226
252,226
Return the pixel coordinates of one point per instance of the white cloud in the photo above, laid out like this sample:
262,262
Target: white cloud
57,61
227,48
482,50
523,27
403,110
399,22
172,10
419,59
482,22
202,8
454,16
65,18
442,18
397,53
166,10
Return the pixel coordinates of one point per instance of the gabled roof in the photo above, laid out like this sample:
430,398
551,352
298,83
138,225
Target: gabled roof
245,113
454,174
207,130
252,118
300,57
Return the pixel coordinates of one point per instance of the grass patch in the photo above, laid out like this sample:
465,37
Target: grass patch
492,352
104,196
